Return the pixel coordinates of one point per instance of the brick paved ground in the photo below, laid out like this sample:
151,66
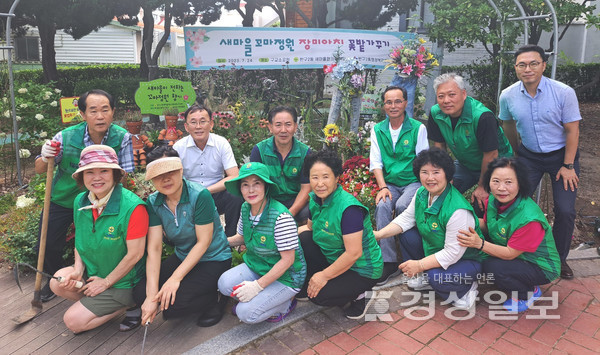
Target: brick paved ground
574,329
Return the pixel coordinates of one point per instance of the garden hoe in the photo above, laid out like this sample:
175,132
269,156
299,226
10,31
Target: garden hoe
36,303
78,284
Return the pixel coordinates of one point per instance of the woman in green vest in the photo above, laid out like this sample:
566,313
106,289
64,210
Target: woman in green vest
344,260
519,239
184,214
111,224
274,267
432,255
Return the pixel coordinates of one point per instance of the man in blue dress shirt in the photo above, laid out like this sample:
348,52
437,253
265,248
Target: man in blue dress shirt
545,113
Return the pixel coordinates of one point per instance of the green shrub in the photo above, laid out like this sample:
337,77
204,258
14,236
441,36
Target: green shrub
122,89
19,239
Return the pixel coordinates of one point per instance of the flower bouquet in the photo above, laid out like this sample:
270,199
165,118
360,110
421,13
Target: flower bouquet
412,60
350,76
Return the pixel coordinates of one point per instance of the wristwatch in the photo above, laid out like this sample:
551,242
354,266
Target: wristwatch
568,166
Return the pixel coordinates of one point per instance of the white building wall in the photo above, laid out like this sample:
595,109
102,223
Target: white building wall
111,44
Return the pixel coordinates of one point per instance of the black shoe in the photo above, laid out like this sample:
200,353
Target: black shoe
390,270
565,271
358,308
46,293
302,296
129,323
214,314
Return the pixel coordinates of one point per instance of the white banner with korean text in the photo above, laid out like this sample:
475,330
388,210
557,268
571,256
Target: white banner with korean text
293,48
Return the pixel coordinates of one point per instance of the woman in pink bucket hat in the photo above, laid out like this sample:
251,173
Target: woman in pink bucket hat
111,224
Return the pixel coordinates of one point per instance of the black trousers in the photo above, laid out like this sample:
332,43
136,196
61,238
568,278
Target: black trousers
59,220
338,291
515,275
230,206
197,291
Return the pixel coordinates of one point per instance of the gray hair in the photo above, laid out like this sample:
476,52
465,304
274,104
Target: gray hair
444,78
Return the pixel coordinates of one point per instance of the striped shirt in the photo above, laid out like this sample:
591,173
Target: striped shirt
286,232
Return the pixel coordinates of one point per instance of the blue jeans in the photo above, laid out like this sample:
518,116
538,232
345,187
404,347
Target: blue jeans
457,278
536,164
271,301
385,211
464,178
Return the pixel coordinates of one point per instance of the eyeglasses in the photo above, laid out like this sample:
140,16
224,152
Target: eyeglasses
532,65
197,124
396,102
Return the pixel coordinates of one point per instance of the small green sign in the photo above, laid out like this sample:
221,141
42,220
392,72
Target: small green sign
154,96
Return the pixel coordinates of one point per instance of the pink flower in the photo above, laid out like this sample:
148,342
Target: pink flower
196,61
419,57
422,49
195,46
408,68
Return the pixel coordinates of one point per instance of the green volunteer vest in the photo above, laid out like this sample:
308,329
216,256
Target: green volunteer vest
261,251
64,187
522,211
102,244
462,141
287,177
397,163
327,232
431,222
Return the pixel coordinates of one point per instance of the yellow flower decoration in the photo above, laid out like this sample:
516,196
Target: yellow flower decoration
421,40
331,130
435,63
429,56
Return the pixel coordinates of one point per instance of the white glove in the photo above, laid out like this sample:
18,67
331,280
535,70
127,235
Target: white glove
50,149
247,290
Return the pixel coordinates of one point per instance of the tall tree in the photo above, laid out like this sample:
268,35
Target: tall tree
77,17
467,22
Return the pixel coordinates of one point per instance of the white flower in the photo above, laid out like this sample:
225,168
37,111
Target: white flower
5,99
18,118
46,97
53,103
24,201
43,134
2,135
7,113
23,105
58,91
22,91
39,117
48,93
24,153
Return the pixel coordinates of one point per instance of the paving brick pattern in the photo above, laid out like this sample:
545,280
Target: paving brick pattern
571,328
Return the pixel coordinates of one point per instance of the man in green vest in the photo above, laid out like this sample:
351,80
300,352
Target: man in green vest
395,142
471,132
284,155
97,108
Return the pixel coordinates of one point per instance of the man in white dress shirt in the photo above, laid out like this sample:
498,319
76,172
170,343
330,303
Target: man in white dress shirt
208,160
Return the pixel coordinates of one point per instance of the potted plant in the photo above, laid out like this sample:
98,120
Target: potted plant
133,121
171,134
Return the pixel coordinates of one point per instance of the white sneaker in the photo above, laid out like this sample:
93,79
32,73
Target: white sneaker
419,283
468,300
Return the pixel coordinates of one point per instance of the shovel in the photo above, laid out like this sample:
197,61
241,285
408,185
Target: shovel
36,303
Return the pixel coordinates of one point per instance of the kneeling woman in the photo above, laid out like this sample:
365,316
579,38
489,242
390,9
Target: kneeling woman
110,235
431,251
274,268
520,243
344,260
185,213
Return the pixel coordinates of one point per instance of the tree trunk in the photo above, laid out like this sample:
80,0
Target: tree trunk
47,33
248,16
147,39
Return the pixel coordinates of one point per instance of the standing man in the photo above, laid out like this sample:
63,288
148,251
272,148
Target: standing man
471,132
208,159
395,142
545,113
284,155
97,108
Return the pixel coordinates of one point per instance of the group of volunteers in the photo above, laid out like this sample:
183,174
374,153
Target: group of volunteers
306,238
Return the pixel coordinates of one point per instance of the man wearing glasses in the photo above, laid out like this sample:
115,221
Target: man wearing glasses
395,142
470,130
208,159
545,114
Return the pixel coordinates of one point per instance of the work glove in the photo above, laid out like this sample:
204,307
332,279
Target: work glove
50,149
247,290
